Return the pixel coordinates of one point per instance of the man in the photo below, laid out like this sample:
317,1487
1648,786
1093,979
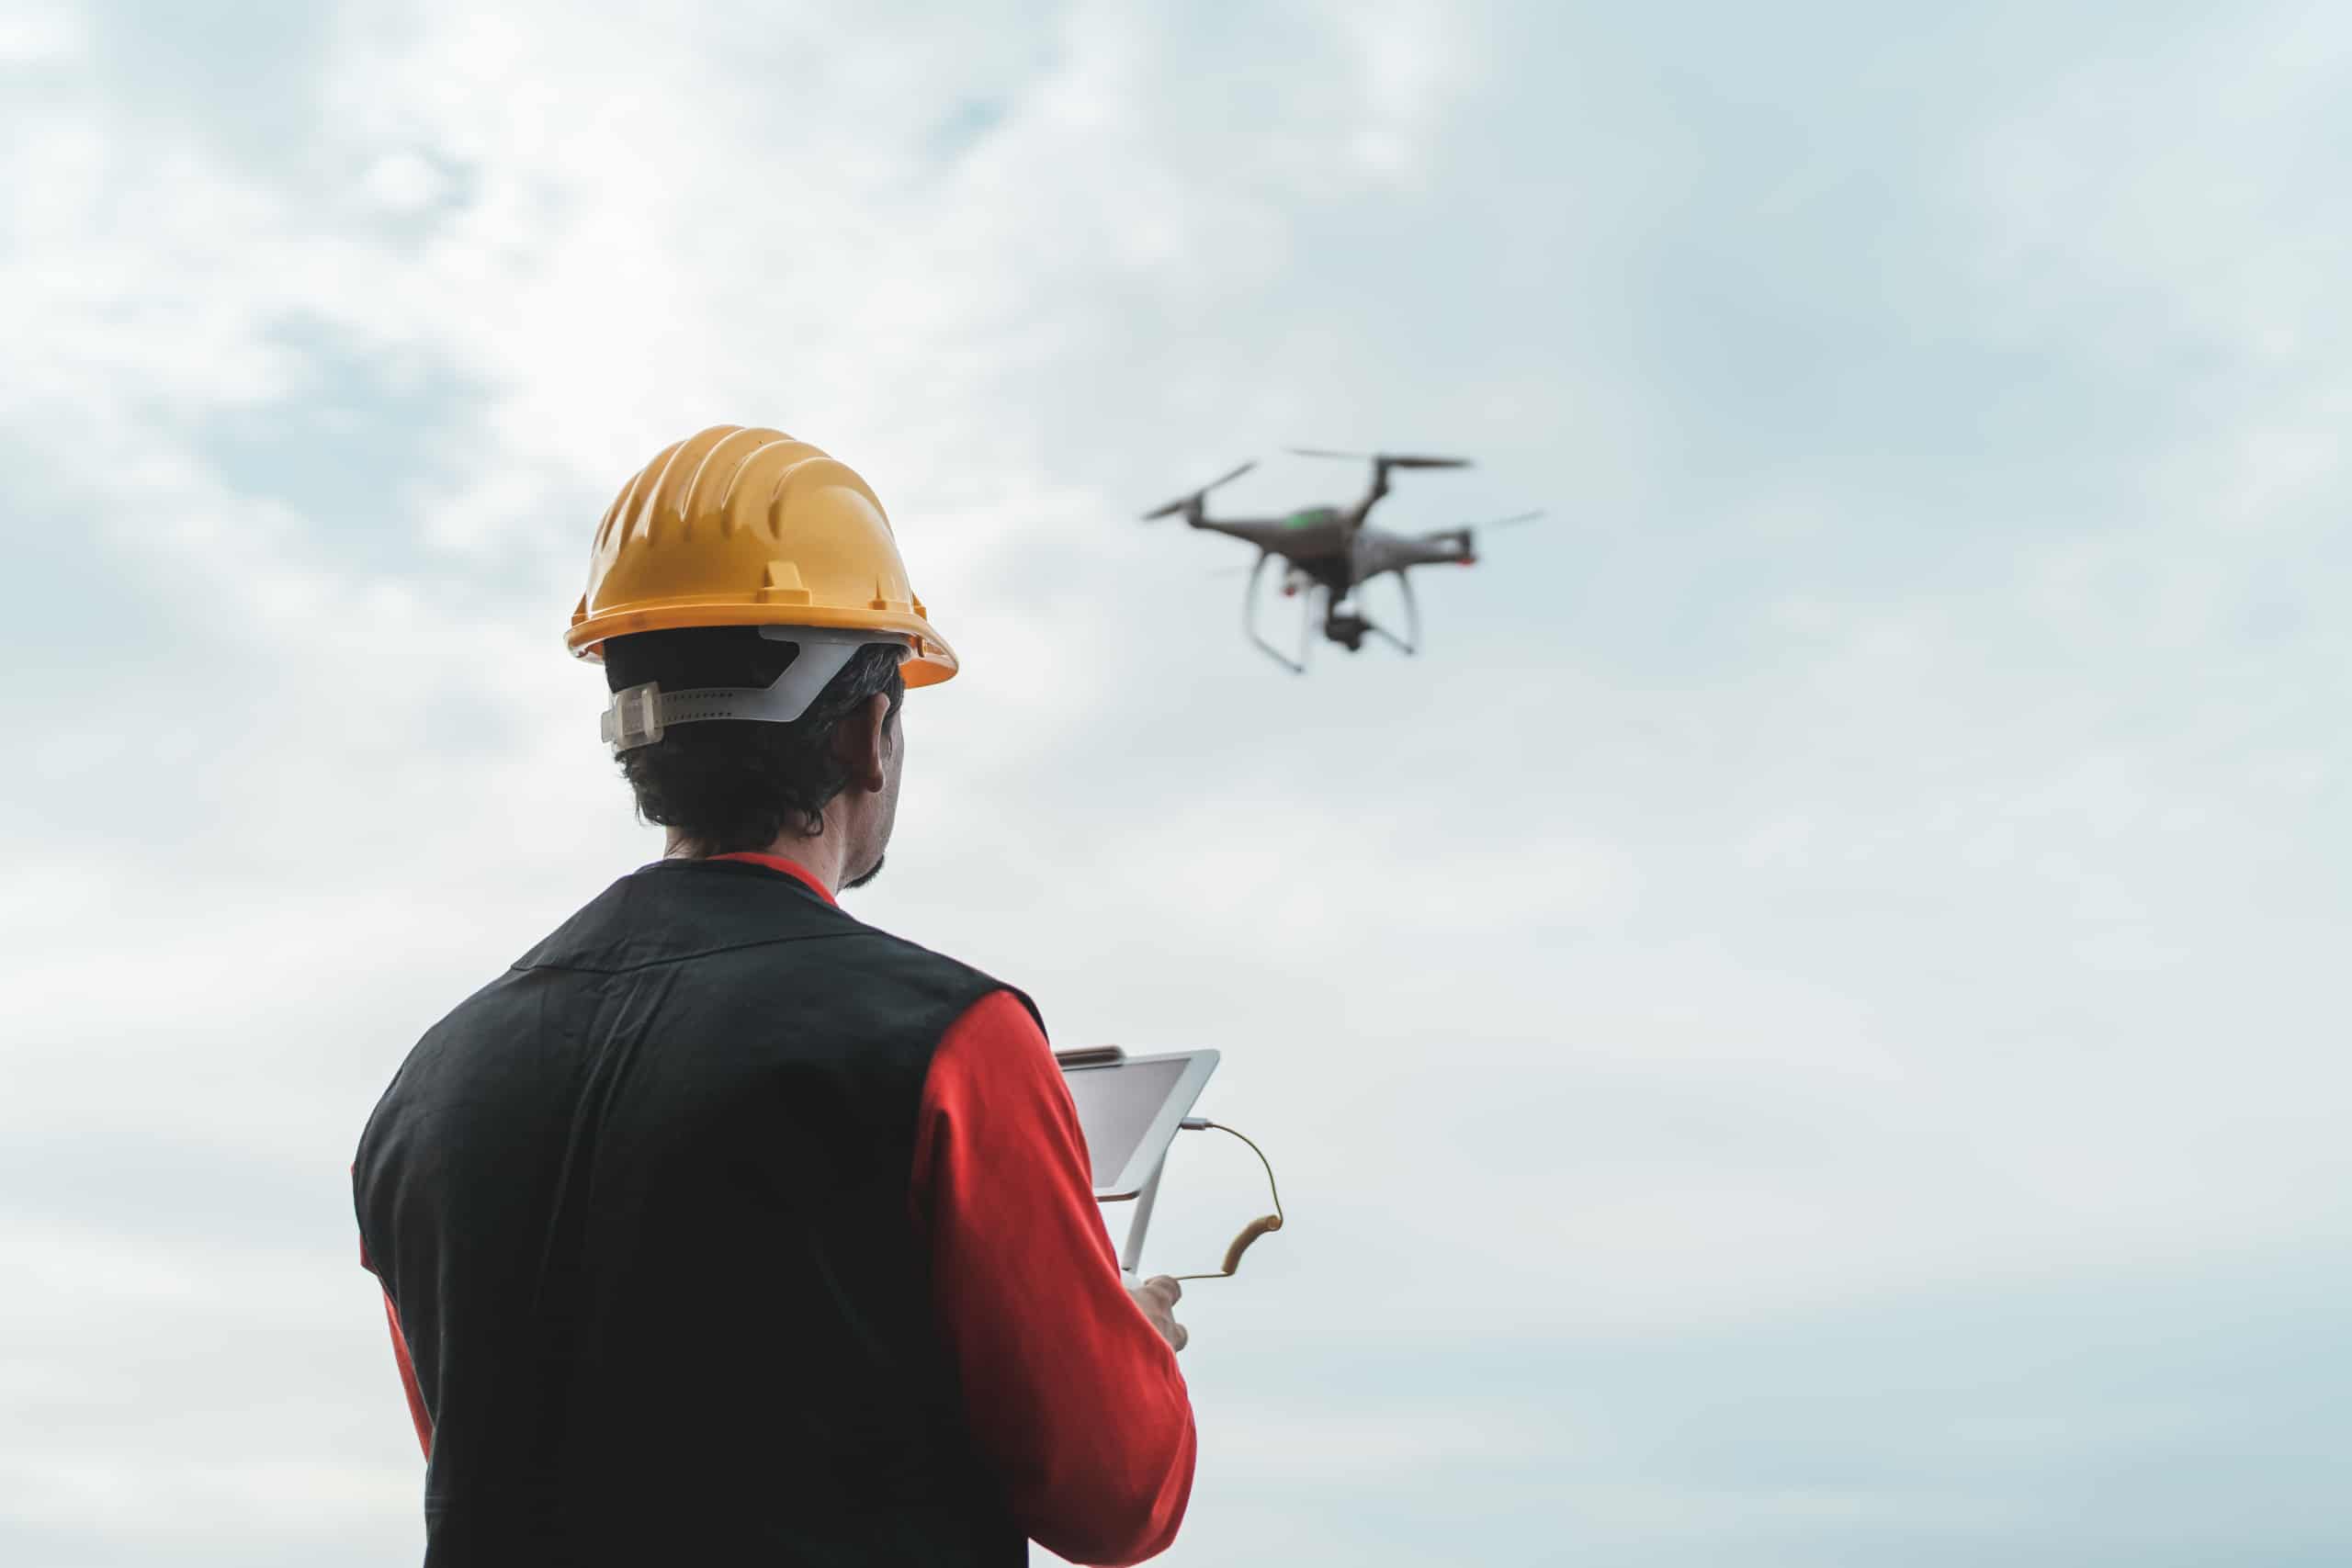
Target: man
722,1228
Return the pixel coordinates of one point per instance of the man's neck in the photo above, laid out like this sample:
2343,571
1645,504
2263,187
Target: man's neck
818,854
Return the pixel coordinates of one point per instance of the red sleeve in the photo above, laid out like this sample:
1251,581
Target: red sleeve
1070,1393
416,1412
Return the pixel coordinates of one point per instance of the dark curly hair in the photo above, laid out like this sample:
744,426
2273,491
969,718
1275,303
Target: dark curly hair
731,783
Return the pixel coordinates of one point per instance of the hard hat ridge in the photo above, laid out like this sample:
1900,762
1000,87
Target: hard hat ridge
743,525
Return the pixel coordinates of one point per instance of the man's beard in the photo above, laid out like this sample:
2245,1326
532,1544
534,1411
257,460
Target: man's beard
869,875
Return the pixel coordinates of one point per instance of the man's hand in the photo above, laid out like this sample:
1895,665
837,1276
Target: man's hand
1158,1297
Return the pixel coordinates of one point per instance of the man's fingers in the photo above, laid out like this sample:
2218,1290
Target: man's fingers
1158,1297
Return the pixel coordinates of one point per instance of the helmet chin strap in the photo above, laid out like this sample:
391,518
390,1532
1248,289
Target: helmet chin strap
640,715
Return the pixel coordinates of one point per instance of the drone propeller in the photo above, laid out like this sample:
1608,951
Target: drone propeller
1463,531
1186,502
1390,459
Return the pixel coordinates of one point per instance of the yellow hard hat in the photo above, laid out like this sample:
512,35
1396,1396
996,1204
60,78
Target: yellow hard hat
740,527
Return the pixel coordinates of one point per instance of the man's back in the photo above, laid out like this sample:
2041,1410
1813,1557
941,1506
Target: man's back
643,1205
723,1229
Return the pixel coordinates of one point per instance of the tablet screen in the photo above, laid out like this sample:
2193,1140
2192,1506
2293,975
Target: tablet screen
1116,1106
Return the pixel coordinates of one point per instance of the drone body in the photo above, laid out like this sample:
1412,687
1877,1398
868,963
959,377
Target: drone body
1329,552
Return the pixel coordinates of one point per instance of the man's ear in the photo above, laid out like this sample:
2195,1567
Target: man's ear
861,742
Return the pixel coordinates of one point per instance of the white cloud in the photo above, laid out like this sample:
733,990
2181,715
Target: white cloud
404,182
37,34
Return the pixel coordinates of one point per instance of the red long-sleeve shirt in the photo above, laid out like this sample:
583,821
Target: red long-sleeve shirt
1069,1391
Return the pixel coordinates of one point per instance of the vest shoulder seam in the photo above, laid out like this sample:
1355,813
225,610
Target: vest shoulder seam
525,965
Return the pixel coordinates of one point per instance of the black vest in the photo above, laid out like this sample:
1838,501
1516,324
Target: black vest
642,1205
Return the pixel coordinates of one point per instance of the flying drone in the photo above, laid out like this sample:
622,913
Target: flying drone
1329,552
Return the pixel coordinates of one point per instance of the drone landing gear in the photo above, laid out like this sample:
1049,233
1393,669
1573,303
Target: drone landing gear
1250,622
1342,621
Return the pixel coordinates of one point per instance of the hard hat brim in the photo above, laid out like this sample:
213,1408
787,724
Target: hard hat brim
929,659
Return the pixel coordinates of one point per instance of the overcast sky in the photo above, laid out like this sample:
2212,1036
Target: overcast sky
1806,1029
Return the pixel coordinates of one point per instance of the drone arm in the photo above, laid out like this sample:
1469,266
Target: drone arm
1189,506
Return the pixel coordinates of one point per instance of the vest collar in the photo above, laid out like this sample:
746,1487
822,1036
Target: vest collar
790,868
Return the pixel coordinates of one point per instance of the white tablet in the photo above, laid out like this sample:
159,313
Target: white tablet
1128,1108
